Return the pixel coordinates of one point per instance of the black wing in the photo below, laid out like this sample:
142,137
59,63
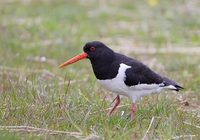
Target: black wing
141,74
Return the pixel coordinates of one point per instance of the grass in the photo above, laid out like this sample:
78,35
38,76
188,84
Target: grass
36,36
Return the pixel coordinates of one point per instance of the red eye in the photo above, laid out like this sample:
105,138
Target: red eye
92,49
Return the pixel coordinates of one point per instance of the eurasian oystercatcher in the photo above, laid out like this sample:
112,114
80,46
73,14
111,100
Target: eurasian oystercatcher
122,75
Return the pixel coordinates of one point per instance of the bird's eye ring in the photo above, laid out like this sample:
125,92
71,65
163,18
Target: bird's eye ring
92,49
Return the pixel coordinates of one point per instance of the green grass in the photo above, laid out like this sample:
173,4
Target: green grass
39,94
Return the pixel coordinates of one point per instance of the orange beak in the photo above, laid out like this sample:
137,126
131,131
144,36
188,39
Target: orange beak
74,59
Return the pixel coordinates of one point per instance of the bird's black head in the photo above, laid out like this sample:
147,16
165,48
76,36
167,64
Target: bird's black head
98,53
97,50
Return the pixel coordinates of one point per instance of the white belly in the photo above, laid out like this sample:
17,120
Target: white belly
114,86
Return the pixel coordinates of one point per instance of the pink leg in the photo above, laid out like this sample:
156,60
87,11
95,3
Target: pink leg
115,106
133,109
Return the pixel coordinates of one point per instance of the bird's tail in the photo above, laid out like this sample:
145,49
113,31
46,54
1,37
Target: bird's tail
178,87
172,85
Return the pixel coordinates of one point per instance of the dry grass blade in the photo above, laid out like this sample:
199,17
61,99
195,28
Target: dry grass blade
30,129
145,136
191,124
183,137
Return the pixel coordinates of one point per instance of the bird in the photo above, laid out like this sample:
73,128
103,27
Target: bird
122,75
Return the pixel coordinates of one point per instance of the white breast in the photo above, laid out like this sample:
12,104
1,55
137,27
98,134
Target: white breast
117,84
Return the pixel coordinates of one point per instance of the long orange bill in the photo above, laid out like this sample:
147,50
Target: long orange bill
74,59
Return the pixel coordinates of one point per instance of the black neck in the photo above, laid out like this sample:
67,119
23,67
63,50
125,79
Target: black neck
103,67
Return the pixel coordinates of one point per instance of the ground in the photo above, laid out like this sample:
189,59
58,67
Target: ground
40,101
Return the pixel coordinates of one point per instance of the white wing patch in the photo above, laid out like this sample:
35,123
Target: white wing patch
146,86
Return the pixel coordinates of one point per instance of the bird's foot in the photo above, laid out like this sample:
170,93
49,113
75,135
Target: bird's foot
115,106
133,110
